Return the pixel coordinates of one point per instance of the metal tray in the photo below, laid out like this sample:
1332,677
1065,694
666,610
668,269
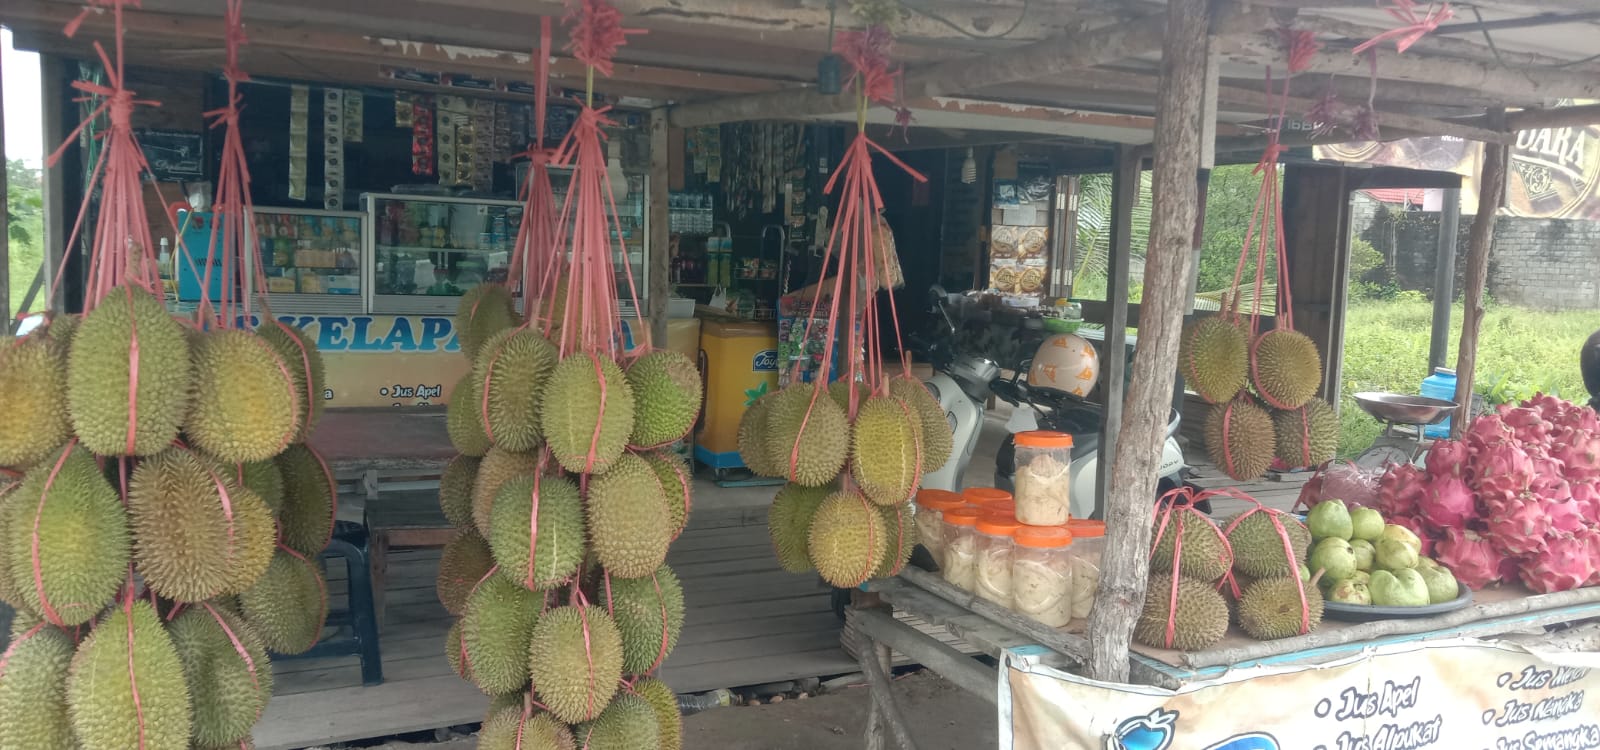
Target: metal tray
1396,408
1372,612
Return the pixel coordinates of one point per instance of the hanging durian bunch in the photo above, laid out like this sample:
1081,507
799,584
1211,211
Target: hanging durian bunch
567,492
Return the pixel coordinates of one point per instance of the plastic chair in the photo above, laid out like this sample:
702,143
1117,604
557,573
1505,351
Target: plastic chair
350,541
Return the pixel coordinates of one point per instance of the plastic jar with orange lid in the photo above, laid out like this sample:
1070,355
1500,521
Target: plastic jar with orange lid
1041,574
994,532
931,505
960,561
1089,544
983,496
1043,477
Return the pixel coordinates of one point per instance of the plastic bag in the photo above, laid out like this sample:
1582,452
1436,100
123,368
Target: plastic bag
1341,480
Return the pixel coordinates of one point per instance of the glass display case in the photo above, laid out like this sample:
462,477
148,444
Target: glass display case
428,251
312,259
633,212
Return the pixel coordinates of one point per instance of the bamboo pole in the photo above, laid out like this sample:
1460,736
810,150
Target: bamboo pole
1491,195
1133,466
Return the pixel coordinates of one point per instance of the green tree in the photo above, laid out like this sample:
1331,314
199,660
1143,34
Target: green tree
24,201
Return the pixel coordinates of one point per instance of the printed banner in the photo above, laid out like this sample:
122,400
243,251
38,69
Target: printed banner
1452,695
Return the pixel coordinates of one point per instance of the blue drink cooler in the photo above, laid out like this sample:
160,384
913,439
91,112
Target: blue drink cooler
1441,385
196,227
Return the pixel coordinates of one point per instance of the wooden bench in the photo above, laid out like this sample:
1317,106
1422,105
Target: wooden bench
409,519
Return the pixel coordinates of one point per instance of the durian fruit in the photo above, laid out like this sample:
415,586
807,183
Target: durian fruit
484,311
807,439
664,702
588,413
497,468
33,691
288,605
228,690
1240,440
455,652
33,385
466,559
557,550
505,700
10,587
753,438
1201,617
1285,368
677,486
847,539
68,547
666,395
306,521
126,687
1258,547
629,723
509,728
496,628
1214,358
575,661
1307,436
512,369
464,418
839,391
629,526
266,480
649,616
455,490
1271,608
886,450
304,360
101,365
196,533
937,438
246,406
901,539
1205,555
789,524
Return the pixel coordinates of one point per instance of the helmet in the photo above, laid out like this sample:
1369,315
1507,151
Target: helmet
1065,362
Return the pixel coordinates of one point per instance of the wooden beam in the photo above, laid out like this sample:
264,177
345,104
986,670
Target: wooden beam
1555,117
960,669
1316,244
1124,567
1444,279
1430,44
58,216
658,251
1491,196
5,228
1124,195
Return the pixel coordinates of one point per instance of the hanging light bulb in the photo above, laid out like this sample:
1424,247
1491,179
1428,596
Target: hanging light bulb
614,173
969,169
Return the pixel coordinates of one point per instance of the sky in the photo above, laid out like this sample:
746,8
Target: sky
22,97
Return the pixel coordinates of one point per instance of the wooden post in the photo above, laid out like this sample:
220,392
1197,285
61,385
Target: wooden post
1444,278
1114,366
5,201
1133,466
658,253
53,82
1491,195
1316,232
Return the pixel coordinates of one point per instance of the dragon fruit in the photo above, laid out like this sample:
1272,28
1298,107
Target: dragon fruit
1566,517
1579,453
1563,564
1448,458
1488,431
1586,494
1470,557
1528,424
1591,544
1400,489
1447,504
1520,527
1503,468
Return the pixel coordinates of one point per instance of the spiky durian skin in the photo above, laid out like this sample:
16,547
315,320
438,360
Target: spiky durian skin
1240,440
288,604
937,439
664,702
1307,436
466,559
1270,608
789,524
900,539
245,405
666,393
559,548
1285,368
99,369
455,490
508,729
484,311
187,544
33,691
1205,554
574,675
649,615
455,652
629,723
129,650
677,486
1258,547
585,391
512,369
82,534
10,591
886,450
497,468
228,690
752,438
1201,619
304,362
266,480
847,539
1214,357
807,439
33,385
305,522
629,527
496,628
464,418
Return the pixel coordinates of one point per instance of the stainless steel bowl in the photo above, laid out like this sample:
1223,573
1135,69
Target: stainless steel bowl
1397,408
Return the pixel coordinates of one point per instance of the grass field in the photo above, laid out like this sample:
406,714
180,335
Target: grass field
1519,351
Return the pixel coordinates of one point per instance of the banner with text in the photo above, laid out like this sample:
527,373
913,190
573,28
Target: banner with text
1454,695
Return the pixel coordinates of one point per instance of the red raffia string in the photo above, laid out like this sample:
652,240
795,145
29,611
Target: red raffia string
597,32
133,677
1415,26
1177,504
5,658
1276,516
536,259
48,609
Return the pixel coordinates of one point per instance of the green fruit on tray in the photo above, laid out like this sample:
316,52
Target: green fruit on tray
1350,591
1365,553
1330,519
1395,555
1366,523
1402,534
1334,558
1402,588
1441,584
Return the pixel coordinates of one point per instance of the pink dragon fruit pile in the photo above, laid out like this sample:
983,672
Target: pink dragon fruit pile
1517,499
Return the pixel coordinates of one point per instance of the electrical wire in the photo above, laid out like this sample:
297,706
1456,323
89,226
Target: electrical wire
932,16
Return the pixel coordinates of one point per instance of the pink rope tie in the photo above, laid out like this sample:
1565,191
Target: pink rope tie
49,610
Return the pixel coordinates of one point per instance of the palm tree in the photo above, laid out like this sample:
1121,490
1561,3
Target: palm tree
1093,245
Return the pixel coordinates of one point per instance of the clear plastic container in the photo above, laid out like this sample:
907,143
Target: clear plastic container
931,505
1088,545
994,532
1044,477
982,497
1042,567
960,563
